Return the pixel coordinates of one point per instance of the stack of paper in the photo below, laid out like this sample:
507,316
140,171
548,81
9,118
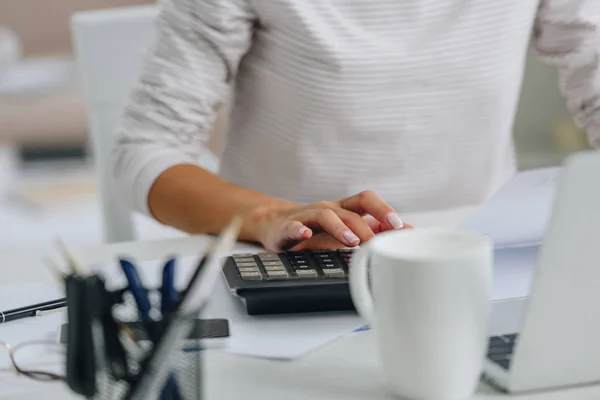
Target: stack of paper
518,213
515,218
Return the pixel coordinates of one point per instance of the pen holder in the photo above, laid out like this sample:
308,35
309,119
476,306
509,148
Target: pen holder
186,368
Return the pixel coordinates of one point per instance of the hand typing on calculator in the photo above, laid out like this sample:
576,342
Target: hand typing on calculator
325,225
196,201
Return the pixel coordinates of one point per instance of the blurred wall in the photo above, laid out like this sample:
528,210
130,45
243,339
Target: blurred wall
46,108
43,25
544,130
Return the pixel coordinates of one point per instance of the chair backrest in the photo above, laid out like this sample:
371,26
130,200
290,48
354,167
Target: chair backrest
109,45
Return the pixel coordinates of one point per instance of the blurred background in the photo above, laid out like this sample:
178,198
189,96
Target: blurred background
47,183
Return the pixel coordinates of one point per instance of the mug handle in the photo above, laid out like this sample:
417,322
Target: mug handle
359,284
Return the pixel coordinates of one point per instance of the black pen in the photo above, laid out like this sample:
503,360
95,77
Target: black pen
32,310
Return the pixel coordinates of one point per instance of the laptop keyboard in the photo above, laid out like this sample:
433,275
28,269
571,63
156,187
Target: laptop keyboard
501,348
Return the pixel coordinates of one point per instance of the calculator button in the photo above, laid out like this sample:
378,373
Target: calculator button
334,273
299,262
243,255
278,274
268,256
296,255
323,255
246,264
307,273
274,268
248,269
251,276
325,260
303,267
272,263
346,251
329,266
243,260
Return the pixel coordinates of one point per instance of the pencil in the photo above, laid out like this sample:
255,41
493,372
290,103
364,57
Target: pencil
75,266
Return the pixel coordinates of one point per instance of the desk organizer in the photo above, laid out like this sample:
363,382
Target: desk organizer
187,371
186,366
106,325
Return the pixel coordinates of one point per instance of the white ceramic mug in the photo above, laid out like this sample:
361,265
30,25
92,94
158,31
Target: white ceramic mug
428,300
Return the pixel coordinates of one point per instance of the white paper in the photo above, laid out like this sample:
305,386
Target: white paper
514,269
515,218
517,215
276,337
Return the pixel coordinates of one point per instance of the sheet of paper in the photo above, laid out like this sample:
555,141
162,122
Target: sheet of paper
515,218
518,213
275,337
514,269
281,336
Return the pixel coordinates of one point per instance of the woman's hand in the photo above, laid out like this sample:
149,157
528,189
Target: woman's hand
326,241
325,225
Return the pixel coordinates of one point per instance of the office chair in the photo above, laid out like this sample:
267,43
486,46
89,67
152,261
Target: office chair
109,45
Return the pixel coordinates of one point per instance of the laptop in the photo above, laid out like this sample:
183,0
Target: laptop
558,341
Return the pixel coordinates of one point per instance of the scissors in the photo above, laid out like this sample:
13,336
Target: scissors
168,300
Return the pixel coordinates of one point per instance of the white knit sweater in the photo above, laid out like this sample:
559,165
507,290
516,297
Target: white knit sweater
414,99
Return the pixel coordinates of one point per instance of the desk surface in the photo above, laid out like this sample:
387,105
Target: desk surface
347,369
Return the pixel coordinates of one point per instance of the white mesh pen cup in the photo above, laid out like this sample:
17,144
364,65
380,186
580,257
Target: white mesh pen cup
186,369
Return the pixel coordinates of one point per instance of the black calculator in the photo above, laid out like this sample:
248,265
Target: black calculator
291,282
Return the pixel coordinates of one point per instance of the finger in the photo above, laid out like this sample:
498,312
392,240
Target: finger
296,230
328,221
374,224
369,202
289,234
322,241
356,223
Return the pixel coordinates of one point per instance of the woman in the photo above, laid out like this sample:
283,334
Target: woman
345,112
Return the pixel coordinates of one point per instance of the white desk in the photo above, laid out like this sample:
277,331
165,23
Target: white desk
347,369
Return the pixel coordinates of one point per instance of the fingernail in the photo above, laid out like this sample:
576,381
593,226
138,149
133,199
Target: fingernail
350,237
395,221
302,230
